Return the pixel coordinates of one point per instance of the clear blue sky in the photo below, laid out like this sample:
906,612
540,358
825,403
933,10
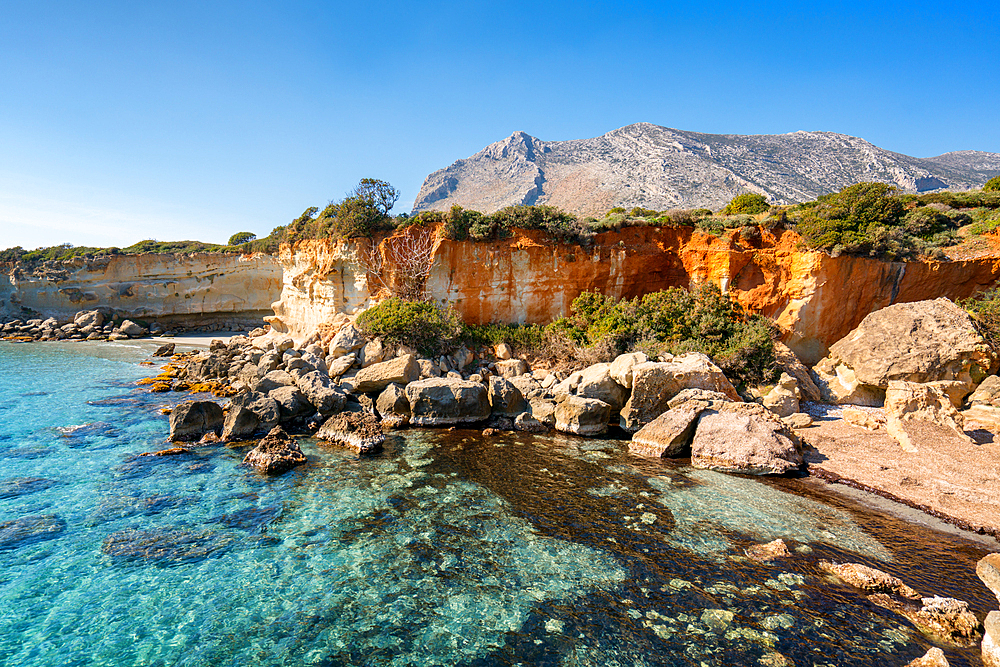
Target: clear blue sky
121,121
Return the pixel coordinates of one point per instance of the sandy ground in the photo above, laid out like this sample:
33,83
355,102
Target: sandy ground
946,476
195,341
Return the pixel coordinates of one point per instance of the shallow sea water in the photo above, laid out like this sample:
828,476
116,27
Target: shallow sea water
447,549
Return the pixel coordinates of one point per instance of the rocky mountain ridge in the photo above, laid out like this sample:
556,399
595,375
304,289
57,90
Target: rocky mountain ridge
660,168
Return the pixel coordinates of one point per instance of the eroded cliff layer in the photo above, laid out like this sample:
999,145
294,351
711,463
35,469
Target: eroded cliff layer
194,288
816,299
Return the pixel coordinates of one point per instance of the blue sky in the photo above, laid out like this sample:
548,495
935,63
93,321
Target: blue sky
121,121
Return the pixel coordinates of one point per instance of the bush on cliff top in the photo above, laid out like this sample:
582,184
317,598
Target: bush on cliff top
429,328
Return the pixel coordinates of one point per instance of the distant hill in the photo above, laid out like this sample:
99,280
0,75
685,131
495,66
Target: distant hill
657,167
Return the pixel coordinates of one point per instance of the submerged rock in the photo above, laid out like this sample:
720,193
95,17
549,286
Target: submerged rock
29,530
276,453
868,579
933,658
354,430
21,486
767,552
745,438
945,619
164,546
191,420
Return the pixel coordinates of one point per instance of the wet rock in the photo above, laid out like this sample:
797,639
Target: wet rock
347,340
354,430
165,350
172,451
491,432
944,619
191,420
511,368
744,438
277,452
22,486
401,370
250,519
868,579
582,416
783,400
797,420
29,530
394,407
165,546
446,401
988,569
655,383
933,658
669,434
717,620
319,390
250,413
765,553
991,640
621,367
504,397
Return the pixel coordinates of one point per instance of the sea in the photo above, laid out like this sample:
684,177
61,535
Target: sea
449,548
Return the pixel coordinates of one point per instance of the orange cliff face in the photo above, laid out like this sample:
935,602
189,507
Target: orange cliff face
814,298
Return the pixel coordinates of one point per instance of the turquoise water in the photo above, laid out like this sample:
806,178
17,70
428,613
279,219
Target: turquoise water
448,549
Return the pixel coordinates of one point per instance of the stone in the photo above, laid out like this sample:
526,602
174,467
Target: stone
394,407
319,390
270,361
526,384
783,399
911,401
165,545
505,398
694,398
582,416
340,365
89,318
933,658
291,402
372,353
283,345
838,384
527,423
797,420
277,452
347,340
621,367
988,569
867,420
355,430
669,434
955,391
869,579
789,363
23,531
544,411
428,369
446,401
991,640
764,553
131,329
274,380
655,383
596,382
250,413
987,393
165,350
503,351
191,420
512,368
744,438
401,370
944,619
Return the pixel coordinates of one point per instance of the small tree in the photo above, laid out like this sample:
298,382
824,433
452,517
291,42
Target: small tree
992,185
239,238
748,203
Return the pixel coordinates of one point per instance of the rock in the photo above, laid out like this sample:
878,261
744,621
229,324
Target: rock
165,350
29,530
503,351
356,431
789,363
910,401
504,397
922,341
171,451
248,414
621,367
717,620
933,658
512,368
428,369
988,569
298,363
582,416
372,353
669,434
131,329
283,345
340,365
698,399
944,619
544,411
394,407
491,432
596,382
165,546
527,423
191,420
273,380
991,640
868,579
321,392
462,357
783,400
955,391
987,393
22,486
276,453
985,416
767,552
270,361
838,384
863,418
797,420
347,340
89,318
446,401
655,383
744,438
401,370
291,402
526,384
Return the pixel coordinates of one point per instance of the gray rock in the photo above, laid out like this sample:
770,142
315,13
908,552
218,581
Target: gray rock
511,368
356,431
505,398
445,401
527,423
89,318
582,416
669,434
298,363
250,413
348,339
276,453
23,531
340,365
271,361
428,369
744,438
394,407
131,329
317,387
401,370
274,380
291,402
544,411
191,420
165,350
283,345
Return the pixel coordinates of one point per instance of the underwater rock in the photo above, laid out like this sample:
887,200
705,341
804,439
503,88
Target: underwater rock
193,419
172,451
276,453
988,569
767,552
945,619
933,658
667,435
29,530
868,579
355,430
744,438
164,546
22,486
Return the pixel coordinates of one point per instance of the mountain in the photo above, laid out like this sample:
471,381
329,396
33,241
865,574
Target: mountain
658,167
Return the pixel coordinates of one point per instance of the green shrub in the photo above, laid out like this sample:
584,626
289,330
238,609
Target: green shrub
639,212
426,326
239,238
992,185
522,338
985,310
860,219
748,203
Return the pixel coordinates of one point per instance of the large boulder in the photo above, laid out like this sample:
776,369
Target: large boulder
655,383
582,416
783,400
347,340
394,407
922,341
944,619
868,579
911,407
745,438
291,402
355,430
191,420
621,367
273,380
596,382
667,435
401,370
250,413
446,401
505,398
277,452
988,569
991,640
132,329
317,387
544,410
89,318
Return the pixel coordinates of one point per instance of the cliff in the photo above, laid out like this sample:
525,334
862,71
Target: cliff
816,299
196,289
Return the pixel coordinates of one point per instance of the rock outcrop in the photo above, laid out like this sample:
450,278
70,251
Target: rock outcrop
191,420
354,430
276,453
667,435
745,438
446,401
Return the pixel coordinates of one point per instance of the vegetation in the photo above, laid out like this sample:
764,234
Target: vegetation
239,238
426,326
992,185
748,203
985,310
